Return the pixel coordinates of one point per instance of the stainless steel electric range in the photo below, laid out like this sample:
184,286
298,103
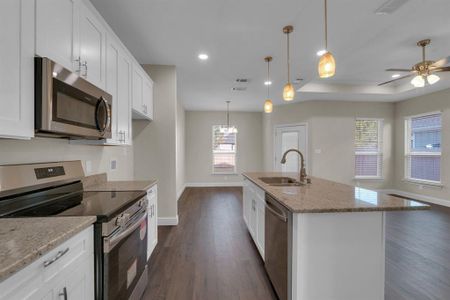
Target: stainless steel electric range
120,233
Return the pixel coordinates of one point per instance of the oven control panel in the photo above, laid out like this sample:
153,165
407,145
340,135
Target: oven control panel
42,173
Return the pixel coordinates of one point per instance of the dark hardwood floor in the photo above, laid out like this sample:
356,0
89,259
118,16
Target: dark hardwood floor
210,254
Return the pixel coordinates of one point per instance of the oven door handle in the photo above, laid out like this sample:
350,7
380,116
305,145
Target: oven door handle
110,242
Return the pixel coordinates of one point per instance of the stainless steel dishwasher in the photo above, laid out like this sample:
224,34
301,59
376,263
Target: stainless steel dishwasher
278,247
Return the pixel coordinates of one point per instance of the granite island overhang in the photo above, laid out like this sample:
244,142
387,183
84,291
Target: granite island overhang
336,237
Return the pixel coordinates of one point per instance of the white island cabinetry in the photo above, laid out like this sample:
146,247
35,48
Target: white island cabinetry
254,213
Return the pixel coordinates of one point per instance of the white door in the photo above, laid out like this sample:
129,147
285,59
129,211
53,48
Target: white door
92,48
57,31
17,68
290,137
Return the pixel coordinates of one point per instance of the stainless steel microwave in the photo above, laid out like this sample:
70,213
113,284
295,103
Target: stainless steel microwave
67,105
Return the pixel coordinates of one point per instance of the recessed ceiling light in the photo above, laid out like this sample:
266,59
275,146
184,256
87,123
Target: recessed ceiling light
321,52
55,74
396,76
203,56
267,82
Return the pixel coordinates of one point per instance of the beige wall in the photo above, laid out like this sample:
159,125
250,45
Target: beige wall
199,145
439,101
331,126
154,142
181,149
47,150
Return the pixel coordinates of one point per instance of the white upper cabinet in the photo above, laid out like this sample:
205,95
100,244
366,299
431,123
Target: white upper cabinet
142,94
92,41
17,69
57,23
148,98
124,96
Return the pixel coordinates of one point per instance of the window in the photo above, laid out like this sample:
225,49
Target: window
368,150
423,148
224,149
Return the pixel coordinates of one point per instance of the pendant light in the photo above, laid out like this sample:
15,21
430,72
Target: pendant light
228,129
288,90
327,64
268,105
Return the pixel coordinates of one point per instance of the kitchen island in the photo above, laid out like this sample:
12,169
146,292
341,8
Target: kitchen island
335,236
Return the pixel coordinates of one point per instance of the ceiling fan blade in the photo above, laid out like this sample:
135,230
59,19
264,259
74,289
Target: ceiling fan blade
443,69
399,70
441,63
400,78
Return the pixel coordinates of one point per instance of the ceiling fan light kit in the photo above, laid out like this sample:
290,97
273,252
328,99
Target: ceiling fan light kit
327,63
288,90
423,71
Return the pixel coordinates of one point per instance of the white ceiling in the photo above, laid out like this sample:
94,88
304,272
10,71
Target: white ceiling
238,34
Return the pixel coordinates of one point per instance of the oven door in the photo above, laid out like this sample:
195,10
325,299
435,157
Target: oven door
68,105
125,260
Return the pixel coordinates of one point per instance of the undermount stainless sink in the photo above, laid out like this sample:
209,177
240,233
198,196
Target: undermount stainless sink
280,181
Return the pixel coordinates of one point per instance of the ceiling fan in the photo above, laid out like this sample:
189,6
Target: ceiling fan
423,70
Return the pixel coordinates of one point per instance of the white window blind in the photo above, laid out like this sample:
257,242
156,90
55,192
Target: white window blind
368,148
224,149
423,148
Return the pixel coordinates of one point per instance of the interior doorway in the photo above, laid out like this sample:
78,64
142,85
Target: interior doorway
287,137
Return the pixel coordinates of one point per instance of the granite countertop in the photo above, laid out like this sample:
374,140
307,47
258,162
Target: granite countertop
23,240
322,196
98,183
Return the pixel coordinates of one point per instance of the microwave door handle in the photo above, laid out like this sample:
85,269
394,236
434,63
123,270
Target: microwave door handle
110,242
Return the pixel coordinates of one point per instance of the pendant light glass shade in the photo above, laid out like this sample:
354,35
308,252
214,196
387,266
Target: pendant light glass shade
268,106
288,92
418,81
327,65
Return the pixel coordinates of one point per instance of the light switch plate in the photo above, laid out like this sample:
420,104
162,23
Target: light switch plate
113,164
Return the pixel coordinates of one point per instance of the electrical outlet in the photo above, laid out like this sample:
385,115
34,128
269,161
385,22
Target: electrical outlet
113,165
318,151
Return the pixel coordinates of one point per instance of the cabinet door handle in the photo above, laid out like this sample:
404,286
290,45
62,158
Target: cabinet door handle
78,61
64,293
58,256
84,64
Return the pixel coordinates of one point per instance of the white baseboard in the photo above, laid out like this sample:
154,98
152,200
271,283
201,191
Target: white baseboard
180,192
214,184
420,197
167,221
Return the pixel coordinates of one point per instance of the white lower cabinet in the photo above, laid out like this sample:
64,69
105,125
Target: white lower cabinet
254,207
66,272
152,235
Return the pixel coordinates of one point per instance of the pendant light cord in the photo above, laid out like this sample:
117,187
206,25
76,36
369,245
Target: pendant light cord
288,60
228,115
326,26
268,79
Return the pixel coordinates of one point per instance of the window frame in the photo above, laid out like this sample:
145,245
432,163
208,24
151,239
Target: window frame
213,172
408,153
378,153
